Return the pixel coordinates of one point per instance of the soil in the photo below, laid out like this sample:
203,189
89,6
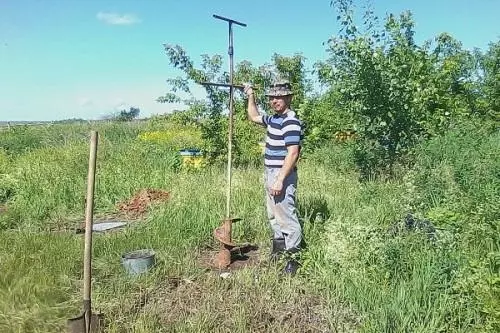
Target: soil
132,210
140,202
178,300
241,256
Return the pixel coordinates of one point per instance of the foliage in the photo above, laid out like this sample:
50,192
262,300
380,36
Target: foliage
323,117
360,259
457,186
176,138
395,92
129,115
338,156
50,190
489,81
211,114
427,114
19,139
293,70
6,185
189,117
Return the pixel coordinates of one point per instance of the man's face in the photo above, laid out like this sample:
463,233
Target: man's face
279,103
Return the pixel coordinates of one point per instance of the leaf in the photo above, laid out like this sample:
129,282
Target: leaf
168,98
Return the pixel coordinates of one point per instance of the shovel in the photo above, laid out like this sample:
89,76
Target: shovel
88,322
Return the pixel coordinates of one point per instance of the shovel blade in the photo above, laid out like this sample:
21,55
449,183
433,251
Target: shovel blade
78,325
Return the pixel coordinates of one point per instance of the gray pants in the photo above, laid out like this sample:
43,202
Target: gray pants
281,209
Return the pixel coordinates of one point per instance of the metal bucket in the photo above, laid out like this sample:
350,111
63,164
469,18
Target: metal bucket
139,261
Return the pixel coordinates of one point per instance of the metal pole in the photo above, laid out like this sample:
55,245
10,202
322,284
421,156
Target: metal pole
230,131
224,85
231,92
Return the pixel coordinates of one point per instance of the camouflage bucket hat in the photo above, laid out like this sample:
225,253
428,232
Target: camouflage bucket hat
280,89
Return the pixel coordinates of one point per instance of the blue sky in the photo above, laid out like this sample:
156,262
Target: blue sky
64,59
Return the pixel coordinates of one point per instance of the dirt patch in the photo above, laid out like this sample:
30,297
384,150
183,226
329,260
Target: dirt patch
132,210
213,304
241,256
141,201
3,209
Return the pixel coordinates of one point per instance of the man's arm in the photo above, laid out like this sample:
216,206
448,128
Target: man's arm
289,162
288,165
253,114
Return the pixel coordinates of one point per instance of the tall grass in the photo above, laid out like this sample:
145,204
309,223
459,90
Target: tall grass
363,269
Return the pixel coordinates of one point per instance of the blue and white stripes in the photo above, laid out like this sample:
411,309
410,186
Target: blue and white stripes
282,131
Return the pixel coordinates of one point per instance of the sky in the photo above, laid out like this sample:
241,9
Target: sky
62,59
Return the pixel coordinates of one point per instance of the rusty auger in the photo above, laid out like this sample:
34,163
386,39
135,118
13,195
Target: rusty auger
223,233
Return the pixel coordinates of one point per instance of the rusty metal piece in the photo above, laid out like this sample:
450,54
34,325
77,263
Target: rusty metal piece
222,259
223,235
88,321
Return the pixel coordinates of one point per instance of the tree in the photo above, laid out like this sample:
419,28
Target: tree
210,113
396,92
489,78
129,115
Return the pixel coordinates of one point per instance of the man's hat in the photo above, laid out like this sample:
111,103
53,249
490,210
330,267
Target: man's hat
282,88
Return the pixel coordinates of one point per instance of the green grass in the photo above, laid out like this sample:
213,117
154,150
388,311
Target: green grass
361,272
179,231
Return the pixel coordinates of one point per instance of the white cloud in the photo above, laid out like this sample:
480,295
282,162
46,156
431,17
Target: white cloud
117,19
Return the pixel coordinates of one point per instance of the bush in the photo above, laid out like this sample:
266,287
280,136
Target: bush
457,179
175,138
337,156
19,139
6,182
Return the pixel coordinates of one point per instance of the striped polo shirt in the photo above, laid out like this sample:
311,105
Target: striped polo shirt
282,130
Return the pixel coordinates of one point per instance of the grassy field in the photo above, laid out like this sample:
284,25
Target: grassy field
418,253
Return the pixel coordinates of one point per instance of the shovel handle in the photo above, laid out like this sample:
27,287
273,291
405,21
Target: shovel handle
89,212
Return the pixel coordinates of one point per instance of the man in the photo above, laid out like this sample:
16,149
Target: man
284,132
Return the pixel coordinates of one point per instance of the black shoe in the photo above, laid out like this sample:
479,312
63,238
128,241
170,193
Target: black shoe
291,267
293,264
278,249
